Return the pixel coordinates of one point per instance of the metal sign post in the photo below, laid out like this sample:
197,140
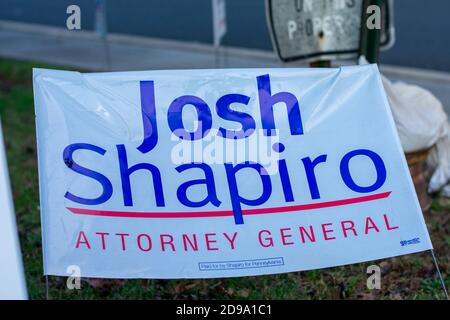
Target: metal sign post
369,40
219,27
101,27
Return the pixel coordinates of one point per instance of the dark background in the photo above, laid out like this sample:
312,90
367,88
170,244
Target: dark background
422,26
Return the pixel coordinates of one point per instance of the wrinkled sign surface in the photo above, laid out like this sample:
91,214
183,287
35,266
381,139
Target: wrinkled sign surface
220,173
321,29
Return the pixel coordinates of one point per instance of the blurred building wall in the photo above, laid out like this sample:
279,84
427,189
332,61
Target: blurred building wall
422,27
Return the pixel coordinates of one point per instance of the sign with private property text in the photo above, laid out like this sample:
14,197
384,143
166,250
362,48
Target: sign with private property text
314,30
220,173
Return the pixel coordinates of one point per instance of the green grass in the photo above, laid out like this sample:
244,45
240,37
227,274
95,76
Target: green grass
406,277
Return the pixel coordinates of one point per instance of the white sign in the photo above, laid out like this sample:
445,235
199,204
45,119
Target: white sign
12,279
219,20
220,173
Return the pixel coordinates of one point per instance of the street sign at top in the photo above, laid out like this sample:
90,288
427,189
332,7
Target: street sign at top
219,20
321,29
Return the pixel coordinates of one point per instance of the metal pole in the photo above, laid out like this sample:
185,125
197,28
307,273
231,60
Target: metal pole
46,287
439,274
217,56
101,27
320,64
216,38
369,40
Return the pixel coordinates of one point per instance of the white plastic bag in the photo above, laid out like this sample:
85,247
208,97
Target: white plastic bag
419,116
438,165
421,124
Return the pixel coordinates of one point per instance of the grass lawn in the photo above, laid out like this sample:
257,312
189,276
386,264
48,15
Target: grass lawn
406,277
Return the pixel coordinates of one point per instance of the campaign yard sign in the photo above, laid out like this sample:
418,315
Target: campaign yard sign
220,173
12,277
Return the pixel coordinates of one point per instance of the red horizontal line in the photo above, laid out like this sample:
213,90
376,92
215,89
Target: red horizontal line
224,213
